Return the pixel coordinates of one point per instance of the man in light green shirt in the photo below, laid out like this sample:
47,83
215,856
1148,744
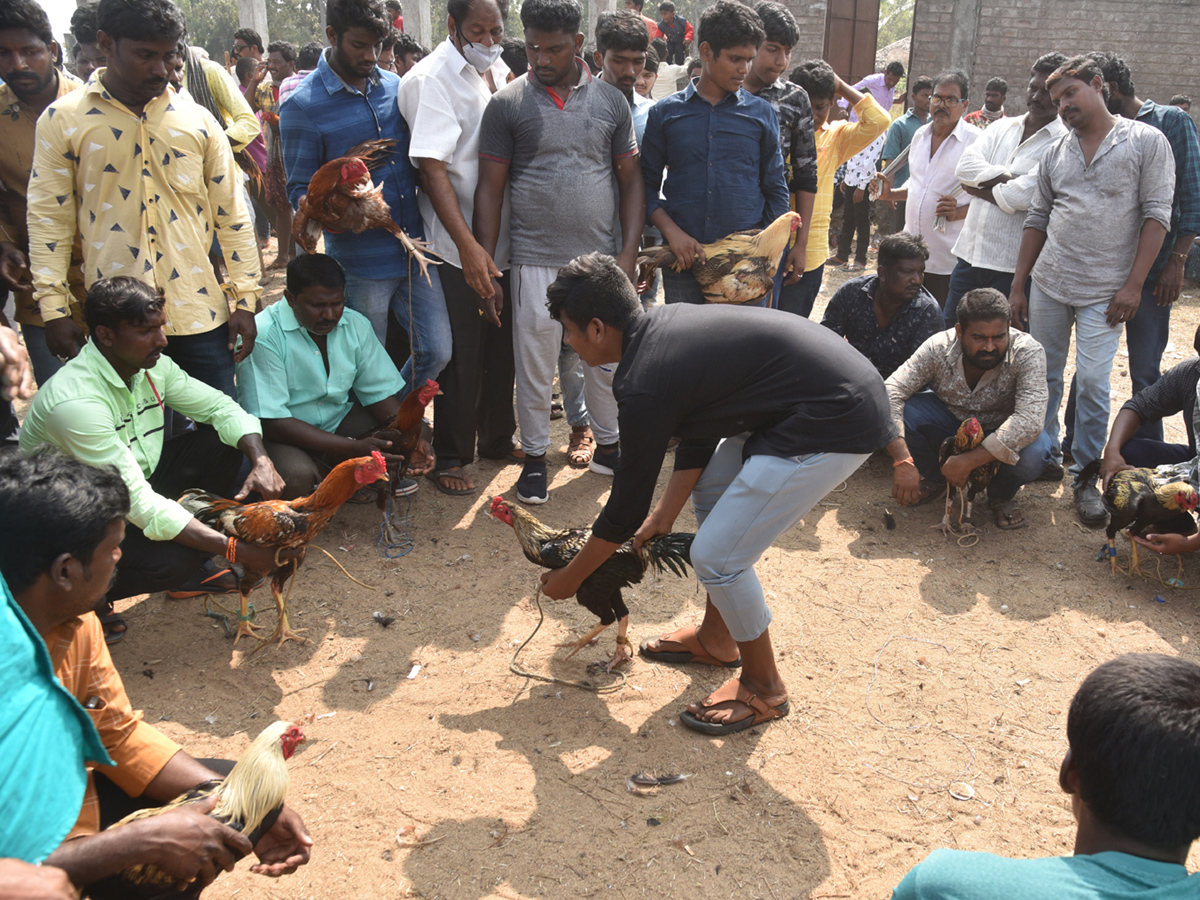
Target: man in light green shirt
311,352
106,408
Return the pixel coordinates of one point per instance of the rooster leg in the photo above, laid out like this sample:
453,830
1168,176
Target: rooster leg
583,641
415,246
944,526
624,650
1112,554
1134,566
245,627
282,630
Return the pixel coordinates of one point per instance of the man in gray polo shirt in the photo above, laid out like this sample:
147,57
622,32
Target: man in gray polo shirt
1095,225
561,140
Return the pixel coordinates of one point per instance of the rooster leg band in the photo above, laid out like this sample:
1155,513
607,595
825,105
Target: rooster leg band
250,613
1112,551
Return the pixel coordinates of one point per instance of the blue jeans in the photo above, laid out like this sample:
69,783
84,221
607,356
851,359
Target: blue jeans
570,379
799,298
927,422
420,308
205,357
967,277
1096,342
43,361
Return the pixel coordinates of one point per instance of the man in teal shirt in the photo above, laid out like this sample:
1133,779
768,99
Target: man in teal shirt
106,408
1133,773
310,354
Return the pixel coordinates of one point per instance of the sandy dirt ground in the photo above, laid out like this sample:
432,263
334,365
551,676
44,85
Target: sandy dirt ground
929,687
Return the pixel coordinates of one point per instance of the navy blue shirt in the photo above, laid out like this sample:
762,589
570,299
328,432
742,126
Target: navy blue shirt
724,167
323,118
1180,132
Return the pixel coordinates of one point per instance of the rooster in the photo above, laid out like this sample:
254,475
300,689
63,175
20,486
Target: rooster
967,438
342,197
1137,502
283,525
601,591
404,431
739,268
248,801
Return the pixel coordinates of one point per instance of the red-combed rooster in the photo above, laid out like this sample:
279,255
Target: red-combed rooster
342,197
967,438
283,525
248,801
601,591
404,431
738,268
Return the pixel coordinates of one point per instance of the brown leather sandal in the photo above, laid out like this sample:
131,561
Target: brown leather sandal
683,646
759,710
580,447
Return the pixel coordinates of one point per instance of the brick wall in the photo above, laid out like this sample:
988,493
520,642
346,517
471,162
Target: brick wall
1156,38
810,16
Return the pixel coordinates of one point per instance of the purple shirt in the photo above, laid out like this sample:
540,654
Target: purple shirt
875,86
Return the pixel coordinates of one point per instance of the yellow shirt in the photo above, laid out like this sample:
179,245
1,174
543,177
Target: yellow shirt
18,120
241,125
151,215
836,143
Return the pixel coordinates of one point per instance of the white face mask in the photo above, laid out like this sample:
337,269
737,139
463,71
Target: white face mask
479,56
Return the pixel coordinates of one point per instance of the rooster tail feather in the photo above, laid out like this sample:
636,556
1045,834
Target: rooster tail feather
670,551
206,507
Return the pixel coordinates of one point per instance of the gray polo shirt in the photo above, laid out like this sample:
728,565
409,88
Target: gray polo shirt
560,156
1093,215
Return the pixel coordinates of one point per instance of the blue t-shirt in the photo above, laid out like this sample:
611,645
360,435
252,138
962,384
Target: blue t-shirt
960,875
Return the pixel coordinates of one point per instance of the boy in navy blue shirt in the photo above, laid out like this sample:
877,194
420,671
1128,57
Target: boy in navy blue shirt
720,145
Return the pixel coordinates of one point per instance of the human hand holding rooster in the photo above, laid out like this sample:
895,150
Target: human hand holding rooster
190,846
1169,544
284,848
22,881
959,466
263,477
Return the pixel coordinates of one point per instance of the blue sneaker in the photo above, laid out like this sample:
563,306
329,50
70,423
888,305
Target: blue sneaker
531,486
606,458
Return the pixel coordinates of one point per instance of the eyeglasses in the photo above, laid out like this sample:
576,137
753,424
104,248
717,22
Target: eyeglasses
936,100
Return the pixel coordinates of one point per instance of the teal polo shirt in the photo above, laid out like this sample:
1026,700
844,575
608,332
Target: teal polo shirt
285,377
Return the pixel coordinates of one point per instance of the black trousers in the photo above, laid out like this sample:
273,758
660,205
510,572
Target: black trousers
855,217
197,459
476,402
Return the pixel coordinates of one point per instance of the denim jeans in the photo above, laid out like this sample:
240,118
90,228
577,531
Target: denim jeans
428,325
1096,342
928,422
570,379
43,361
205,357
967,277
799,298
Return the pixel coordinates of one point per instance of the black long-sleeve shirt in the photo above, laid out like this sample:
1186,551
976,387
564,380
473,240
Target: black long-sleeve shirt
1174,392
702,373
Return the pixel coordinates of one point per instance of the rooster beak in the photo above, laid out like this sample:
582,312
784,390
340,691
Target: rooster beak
384,477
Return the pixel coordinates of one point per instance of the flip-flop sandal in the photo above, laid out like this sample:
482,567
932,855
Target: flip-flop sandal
1004,513
436,478
109,622
853,267
733,692
931,492
692,651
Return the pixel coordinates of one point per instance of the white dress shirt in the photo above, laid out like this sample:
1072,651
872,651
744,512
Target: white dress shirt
442,98
928,179
991,234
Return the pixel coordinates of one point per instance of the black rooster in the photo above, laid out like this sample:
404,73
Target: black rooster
601,591
967,438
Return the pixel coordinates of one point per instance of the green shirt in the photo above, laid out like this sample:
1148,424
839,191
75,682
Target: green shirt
960,875
87,411
285,377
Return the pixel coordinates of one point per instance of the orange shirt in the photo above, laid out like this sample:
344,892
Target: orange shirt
84,666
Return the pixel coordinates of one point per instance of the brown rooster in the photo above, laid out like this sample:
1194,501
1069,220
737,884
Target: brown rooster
967,438
283,525
601,591
342,197
248,800
739,268
404,431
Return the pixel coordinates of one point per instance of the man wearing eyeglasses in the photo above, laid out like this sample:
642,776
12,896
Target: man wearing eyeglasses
935,151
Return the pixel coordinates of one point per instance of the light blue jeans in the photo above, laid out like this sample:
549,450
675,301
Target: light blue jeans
741,509
570,379
1096,343
420,307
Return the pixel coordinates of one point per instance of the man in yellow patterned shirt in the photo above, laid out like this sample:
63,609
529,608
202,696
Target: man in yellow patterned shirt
149,177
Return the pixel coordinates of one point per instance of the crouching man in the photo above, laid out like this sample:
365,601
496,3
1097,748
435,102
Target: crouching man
61,530
791,411
982,369
311,352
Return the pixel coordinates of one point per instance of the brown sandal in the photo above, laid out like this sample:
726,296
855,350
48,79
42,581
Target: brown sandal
759,710
686,648
580,447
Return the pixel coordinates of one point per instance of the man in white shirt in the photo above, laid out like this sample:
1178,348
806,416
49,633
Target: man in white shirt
443,98
669,75
935,151
1001,169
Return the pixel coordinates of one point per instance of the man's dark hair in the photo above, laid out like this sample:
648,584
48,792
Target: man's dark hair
1048,62
552,16
953,76
514,56
406,44
817,78
141,20
694,66
1116,70
393,5
83,23
51,504
923,83
894,68
901,246
1081,68
726,24
778,23
244,67
314,268
666,6
621,30
638,4
28,16
389,41
342,15
659,46
459,9
997,84
1180,100
593,287
651,62
284,49
249,37
983,305
1134,731
111,301
309,55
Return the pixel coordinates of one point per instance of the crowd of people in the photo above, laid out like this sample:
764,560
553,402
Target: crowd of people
136,202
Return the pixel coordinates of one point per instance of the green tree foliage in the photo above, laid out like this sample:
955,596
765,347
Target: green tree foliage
895,21
211,23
